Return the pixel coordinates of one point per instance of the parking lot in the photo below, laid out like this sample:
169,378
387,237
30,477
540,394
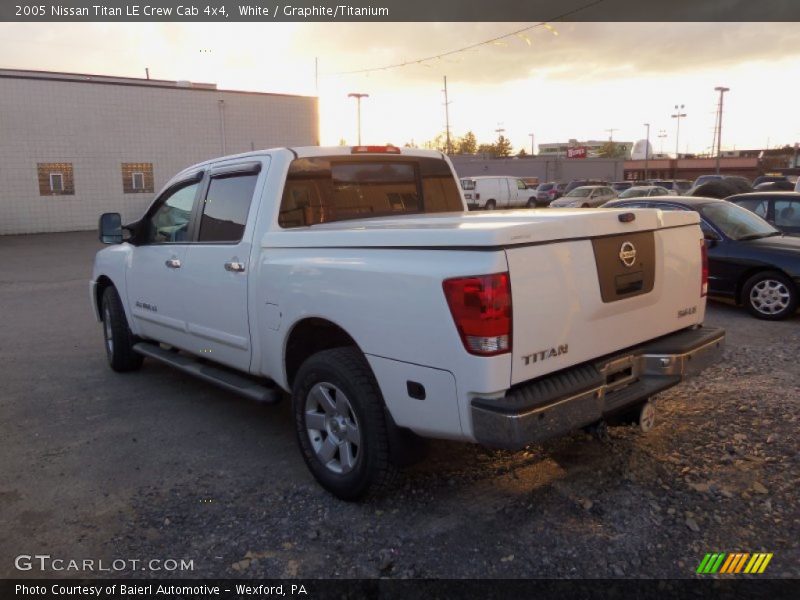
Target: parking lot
156,465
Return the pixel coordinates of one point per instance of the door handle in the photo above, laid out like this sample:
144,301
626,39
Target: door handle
173,263
234,267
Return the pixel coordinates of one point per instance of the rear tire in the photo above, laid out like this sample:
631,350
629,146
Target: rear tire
770,296
490,205
340,424
117,335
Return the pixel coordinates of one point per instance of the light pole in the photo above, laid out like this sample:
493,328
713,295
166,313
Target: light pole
721,91
532,151
358,98
678,115
647,153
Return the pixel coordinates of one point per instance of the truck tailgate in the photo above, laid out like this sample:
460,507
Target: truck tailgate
578,299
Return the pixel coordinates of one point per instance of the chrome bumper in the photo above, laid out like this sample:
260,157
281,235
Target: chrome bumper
561,402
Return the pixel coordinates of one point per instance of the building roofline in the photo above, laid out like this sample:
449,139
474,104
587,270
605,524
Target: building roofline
91,78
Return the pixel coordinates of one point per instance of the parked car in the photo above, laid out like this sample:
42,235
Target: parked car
737,183
784,185
769,179
584,197
680,186
779,209
349,278
621,186
531,182
642,191
582,182
547,192
490,192
720,188
749,260
797,185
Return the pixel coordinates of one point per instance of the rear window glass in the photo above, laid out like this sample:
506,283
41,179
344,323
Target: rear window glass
467,184
340,188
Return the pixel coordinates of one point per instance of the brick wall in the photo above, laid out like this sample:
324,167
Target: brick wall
100,128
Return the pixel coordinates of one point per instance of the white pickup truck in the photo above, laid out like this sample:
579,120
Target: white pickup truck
355,279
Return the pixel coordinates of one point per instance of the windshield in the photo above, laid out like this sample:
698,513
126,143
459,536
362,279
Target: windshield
736,222
467,184
545,187
580,192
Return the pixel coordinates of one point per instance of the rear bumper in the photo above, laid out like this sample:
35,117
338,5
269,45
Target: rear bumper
556,404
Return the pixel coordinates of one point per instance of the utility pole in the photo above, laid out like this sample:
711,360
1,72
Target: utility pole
358,97
447,117
721,90
647,153
661,135
679,114
316,74
532,151
611,133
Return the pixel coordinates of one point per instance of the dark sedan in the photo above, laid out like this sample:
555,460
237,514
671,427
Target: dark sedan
780,209
749,260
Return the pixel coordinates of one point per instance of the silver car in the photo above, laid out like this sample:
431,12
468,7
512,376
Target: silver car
585,196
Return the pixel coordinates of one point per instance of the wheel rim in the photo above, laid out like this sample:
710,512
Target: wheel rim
332,428
770,296
648,417
107,333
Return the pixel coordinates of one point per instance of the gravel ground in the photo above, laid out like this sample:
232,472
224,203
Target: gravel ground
718,473
158,465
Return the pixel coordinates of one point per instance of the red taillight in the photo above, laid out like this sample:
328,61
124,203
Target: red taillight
375,150
704,275
481,309
477,196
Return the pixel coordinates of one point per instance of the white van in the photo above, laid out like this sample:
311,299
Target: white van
489,192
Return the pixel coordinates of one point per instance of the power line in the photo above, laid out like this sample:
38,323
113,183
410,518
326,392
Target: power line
545,24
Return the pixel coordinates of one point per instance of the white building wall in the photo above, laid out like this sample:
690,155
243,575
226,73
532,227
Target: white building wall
96,127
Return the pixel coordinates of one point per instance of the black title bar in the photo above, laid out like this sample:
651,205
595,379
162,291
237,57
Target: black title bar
400,589
70,11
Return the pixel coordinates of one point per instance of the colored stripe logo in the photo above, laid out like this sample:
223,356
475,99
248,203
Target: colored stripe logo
734,563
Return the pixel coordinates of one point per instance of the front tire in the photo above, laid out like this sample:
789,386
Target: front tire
117,335
531,203
490,205
340,424
770,296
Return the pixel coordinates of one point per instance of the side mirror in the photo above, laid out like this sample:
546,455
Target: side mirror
110,227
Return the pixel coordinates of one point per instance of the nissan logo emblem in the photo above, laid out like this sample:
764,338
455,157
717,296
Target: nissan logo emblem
627,254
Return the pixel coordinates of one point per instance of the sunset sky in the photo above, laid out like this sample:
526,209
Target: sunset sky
574,82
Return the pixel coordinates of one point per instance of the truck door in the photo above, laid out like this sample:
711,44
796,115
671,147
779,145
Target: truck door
155,272
521,192
217,266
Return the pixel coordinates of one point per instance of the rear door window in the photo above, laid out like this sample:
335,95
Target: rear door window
225,208
340,188
787,214
760,206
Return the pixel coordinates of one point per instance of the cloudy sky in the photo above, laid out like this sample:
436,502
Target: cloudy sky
576,80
